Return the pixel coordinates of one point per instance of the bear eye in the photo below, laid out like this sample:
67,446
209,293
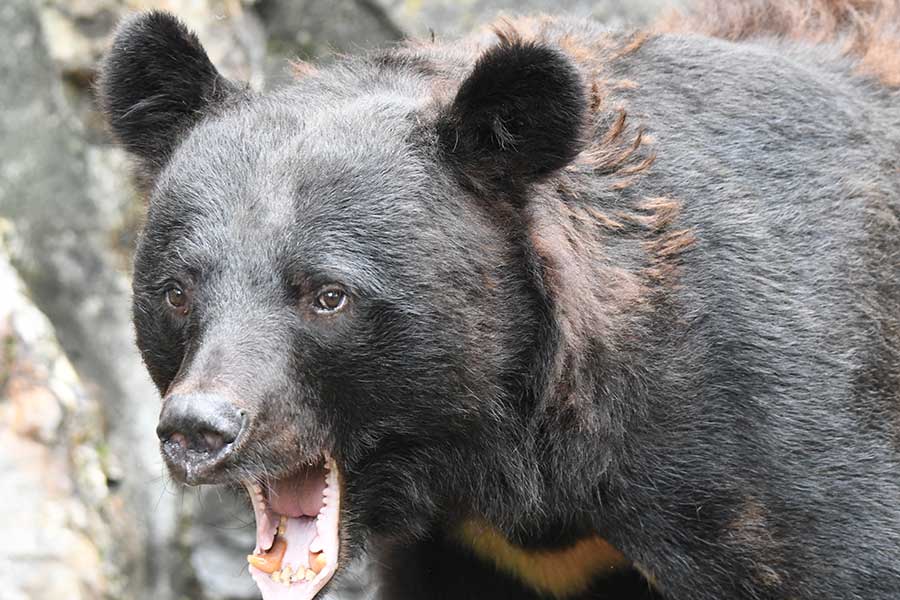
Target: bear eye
177,298
330,299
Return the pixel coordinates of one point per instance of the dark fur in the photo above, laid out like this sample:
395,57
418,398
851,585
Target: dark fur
640,286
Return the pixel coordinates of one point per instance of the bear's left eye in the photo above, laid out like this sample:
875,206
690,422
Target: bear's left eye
330,299
177,298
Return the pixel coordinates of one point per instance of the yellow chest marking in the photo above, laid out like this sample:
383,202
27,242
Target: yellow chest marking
559,573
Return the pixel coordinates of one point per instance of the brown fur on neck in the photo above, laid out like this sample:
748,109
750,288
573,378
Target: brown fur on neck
558,572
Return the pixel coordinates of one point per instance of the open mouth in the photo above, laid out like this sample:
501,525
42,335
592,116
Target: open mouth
297,520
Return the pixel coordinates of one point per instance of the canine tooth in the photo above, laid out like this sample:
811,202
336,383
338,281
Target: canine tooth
269,562
317,561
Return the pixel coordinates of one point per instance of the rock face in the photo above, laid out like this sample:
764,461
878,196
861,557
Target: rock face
65,527
450,18
91,513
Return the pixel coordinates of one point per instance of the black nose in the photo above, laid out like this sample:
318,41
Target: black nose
197,431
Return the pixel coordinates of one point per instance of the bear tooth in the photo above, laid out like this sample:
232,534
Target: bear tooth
310,575
317,562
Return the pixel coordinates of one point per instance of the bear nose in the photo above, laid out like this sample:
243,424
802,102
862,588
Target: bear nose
197,432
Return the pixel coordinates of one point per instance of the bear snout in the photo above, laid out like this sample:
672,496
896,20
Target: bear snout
197,432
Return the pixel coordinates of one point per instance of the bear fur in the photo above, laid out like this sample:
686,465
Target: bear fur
641,287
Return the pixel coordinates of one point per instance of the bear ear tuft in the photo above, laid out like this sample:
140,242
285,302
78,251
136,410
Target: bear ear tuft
519,116
156,81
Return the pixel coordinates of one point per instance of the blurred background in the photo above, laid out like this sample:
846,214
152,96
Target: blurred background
86,510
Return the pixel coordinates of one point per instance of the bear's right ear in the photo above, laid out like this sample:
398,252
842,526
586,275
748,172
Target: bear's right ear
518,117
156,81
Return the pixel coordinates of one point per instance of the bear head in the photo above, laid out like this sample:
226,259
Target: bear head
335,292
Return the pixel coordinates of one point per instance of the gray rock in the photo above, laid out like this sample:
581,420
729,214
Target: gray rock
450,18
66,531
320,29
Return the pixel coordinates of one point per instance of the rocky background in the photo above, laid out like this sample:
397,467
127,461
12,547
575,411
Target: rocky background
86,510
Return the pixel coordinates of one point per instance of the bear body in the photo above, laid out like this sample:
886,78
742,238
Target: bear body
574,313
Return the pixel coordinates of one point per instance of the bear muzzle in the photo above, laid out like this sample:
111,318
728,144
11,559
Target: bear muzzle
197,433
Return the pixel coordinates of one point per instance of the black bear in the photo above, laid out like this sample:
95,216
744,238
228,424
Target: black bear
548,312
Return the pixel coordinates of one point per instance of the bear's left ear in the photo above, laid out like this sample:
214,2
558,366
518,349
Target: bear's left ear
156,81
519,116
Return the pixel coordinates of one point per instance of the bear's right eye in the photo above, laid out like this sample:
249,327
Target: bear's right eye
177,298
330,300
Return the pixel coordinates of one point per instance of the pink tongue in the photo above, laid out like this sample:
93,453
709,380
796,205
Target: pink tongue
300,495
